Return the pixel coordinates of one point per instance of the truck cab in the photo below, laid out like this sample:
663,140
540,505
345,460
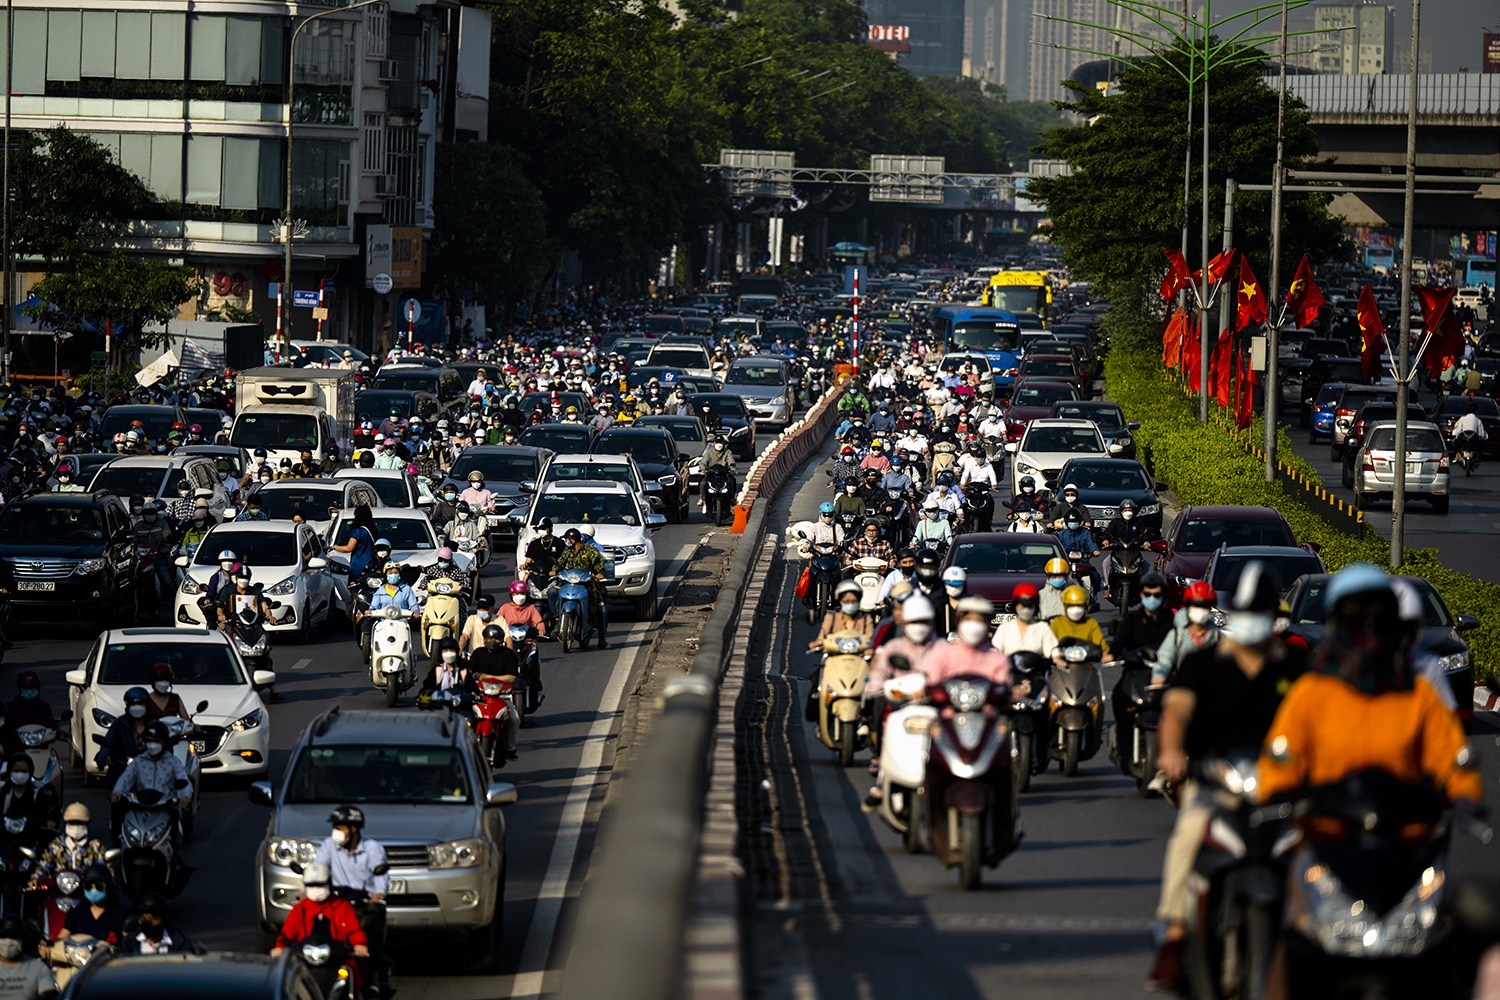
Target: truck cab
288,411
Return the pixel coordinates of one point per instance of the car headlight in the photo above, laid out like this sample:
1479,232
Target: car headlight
1123,440
103,719
90,566
1026,470
739,432
1149,508
191,586
285,851
285,588
667,480
456,854
250,721
1454,661
632,550
779,401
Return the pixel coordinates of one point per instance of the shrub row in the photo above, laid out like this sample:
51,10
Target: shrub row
1206,464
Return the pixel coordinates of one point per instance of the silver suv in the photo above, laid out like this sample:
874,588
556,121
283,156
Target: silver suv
428,798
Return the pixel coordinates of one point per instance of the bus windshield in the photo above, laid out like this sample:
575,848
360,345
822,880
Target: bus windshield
984,335
1019,298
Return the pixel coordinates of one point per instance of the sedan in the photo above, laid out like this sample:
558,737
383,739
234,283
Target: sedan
662,465
1199,531
999,562
286,559
1286,562
1105,483
233,735
734,419
1055,368
1110,420
1427,465
1031,399
1048,445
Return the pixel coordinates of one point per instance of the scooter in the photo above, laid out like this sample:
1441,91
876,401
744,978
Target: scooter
66,957
392,666
1127,567
247,631
1083,572
1029,715
839,690
37,741
1134,736
719,494
149,862
1076,699
529,665
477,548
440,613
869,573
496,703
332,964
823,575
1466,451
968,802
572,600
905,738
979,507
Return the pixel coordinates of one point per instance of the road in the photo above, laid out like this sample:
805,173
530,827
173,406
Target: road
838,910
566,755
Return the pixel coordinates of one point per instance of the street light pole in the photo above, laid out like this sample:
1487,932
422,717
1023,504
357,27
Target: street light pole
10,49
1403,370
1203,354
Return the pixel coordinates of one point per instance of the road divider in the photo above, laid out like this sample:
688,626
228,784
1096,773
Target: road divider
791,448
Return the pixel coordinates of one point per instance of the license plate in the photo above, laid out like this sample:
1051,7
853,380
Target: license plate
1001,619
1413,468
398,886
35,585
199,746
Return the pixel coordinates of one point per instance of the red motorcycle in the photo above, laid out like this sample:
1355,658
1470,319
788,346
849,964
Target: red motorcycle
492,710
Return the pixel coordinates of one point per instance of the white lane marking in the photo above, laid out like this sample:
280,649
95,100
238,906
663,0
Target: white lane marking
667,581
533,966
301,664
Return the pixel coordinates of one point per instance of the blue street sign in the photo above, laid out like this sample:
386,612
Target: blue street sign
306,299
275,289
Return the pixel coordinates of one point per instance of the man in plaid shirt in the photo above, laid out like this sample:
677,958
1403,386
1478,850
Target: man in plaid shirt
870,544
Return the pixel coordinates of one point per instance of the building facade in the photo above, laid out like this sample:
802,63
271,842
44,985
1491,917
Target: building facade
937,32
1068,33
997,40
1353,39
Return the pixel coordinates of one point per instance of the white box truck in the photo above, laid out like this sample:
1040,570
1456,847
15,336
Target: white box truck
289,410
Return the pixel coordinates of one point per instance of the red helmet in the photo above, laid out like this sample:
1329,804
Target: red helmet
1200,592
162,672
1023,592
519,587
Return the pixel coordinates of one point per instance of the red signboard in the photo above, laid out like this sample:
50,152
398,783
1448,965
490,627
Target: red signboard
898,33
1490,58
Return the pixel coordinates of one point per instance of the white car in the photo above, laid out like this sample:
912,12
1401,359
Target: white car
1048,444
317,499
414,543
953,363
397,487
622,527
234,732
286,559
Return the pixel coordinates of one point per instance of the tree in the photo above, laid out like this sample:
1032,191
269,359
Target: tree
70,195
1012,128
128,292
1122,205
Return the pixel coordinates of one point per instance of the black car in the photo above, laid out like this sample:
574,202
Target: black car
1104,483
109,976
376,404
565,439
734,419
157,421
1484,408
504,467
70,553
663,467
1108,417
1442,632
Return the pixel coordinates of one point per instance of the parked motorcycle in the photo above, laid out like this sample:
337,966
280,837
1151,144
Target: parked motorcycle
719,491
840,690
572,601
1029,715
905,736
440,612
392,658
1076,699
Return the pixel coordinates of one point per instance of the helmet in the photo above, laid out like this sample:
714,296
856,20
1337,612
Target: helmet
445,553
1258,589
447,642
1070,488
136,696
847,587
1027,484
76,813
98,872
1127,504
28,679
916,608
976,605
1356,578
391,564
1074,595
317,873
825,507
545,524
241,572
927,565
476,476
157,730
945,479
954,576
1057,566
1025,593
519,587
494,632
383,543
572,534
347,816
1199,592
587,529
462,507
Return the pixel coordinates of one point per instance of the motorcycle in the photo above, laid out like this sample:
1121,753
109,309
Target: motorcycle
392,659
246,628
476,548
66,957
149,862
1466,451
572,600
979,507
1135,735
147,558
1083,572
529,663
1127,566
1076,699
332,964
849,522
359,600
905,737
1029,715
869,573
968,801
719,493
840,692
824,574
497,702
440,612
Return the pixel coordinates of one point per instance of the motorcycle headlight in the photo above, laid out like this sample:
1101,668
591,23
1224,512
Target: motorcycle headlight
88,567
33,738
456,854
285,851
1454,661
316,954
103,719
248,722
285,588
191,586
667,480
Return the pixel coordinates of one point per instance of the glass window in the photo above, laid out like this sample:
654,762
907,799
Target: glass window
1309,607
312,501
124,481
135,153
129,664
34,522
494,466
1063,439
610,472
1042,395
64,44
380,774
272,170
205,164
29,70
755,375
242,51
132,45
984,335
272,65
207,56
275,430
639,447
402,532
168,45
315,173
255,548
165,179
590,508
1418,439
1107,477
1004,557
1202,535
1227,569
98,44
241,170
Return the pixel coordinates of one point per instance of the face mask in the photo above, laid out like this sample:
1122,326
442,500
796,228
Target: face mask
339,836
1151,602
1075,613
449,656
971,632
155,749
20,777
95,895
1025,612
849,607
162,687
29,693
1199,616
450,496
136,711
65,480
445,563
317,893
1073,525
226,566
1249,628
849,490
918,632
265,479
1127,514
1057,582
10,948
393,578
77,831
1281,625
953,591
718,446
463,515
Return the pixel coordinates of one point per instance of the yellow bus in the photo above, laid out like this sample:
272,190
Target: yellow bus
1021,292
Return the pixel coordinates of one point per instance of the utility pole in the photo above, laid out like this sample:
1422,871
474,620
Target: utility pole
1273,397
10,51
1231,188
1403,369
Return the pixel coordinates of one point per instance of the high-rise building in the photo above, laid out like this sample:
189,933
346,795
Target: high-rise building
937,32
1357,38
1065,34
998,44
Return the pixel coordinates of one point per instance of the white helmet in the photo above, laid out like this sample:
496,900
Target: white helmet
587,529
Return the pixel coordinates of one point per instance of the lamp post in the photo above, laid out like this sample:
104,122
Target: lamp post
283,314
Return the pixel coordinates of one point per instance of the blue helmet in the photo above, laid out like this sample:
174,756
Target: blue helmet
825,507
945,479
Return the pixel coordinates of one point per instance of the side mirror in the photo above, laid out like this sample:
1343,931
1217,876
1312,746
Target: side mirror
1465,623
682,456
112,853
66,716
424,501
260,793
181,562
1159,545
317,562
263,678
654,521
528,486
1132,425
501,793
1312,546
1159,487
202,706
1010,447
77,678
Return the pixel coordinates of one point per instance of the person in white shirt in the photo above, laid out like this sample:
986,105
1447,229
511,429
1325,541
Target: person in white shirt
1470,422
1024,632
933,527
992,426
1025,523
476,387
976,468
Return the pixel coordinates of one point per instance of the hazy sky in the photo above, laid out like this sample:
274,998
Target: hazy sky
1456,27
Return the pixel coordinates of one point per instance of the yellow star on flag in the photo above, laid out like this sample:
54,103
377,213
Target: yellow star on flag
1247,289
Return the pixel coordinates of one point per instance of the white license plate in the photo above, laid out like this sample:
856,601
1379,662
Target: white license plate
199,746
35,585
1001,619
1413,468
398,886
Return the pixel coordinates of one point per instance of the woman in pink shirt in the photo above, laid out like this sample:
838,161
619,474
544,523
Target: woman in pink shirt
971,653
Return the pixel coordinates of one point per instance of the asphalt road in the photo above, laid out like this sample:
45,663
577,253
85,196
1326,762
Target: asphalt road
566,756
843,912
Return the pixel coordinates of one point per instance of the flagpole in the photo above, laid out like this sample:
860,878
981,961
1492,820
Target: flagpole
1273,337
1203,313
1403,377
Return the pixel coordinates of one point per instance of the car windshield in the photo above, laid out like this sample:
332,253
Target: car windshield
1106,418
380,404
279,504
1048,366
496,467
1072,440
724,406
754,375
555,438
591,508
37,522
1309,607
688,431
395,775
613,472
391,489
129,664
641,447
402,532
156,422
1418,439
678,357
414,379
1041,395
1004,557
1121,478
128,480
1201,534
984,335
253,548
1286,568
275,430
1329,394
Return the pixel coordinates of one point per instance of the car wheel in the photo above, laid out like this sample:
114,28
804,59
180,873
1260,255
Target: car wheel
1348,477
645,605
1361,501
303,632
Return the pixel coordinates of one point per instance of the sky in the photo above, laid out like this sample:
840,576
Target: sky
1456,27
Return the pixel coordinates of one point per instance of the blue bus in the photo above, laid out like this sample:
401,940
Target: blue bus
1379,258
1475,271
981,330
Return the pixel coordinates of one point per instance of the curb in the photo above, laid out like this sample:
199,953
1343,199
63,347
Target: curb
1485,700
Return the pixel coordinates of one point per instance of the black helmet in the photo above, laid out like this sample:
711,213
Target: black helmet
154,903
157,730
137,696
572,534
347,816
98,872
1127,504
494,632
462,507
447,642
928,565
1075,514
544,524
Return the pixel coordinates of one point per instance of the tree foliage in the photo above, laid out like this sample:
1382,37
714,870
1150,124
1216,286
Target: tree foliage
1123,204
70,195
114,287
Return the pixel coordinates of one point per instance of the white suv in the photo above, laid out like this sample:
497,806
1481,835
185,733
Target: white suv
1048,444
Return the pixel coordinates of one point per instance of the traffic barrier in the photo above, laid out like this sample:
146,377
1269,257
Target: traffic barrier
772,467
1340,514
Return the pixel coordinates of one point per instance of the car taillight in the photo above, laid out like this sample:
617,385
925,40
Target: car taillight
1346,413
1442,463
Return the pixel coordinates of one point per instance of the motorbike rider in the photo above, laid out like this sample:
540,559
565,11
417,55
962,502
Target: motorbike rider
1075,536
393,593
319,906
471,636
955,589
849,499
1470,423
155,933
22,976
933,529
1075,622
905,569
1050,597
1028,498
903,654
352,860
869,545
155,770
1223,699
28,707
450,670
972,653
897,479
846,617
718,455
1026,632
495,658
103,914
476,496
1144,626
948,499
469,523
580,555
238,596
72,849
543,549
929,569
824,530
444,569
876,460
1193,629
1123,530
845,469
519,610
1067,501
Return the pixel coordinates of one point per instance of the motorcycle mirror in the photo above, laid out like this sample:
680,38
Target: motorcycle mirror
28,853
296,866
66,715
899,662
380,869
202,706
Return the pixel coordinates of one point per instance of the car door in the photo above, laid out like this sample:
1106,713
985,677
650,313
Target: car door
81,701
318,579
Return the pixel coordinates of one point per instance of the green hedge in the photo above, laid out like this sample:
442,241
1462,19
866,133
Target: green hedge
1208,465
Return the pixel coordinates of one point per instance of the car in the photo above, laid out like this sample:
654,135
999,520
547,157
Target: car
1286,562
157,420
576,468
734,419
233,731
1349,402
414,544
1453,407
112,975
446,384
506,469
318,500
1048,444
622,526
998,562
1105,483
662,465
953,363
230,461
686,357
318,351
691,437
1055,368
1323,399
1427,465
159,476
1368,413
286,560
1199,531
557,437
1031,399
641,376
421,782
541,402
765,384
377,404
397,487
1442,631
69,554
1106,416
86,464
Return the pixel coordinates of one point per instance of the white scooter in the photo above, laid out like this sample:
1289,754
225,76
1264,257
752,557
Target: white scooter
904,743
869,573
472,537
392,665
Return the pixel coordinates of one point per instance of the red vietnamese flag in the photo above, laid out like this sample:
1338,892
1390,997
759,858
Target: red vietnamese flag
1441,326
1217,268
1304,298
1371,332
1222,368
1171,340
1245,395
1178,276
1250,301
1191,354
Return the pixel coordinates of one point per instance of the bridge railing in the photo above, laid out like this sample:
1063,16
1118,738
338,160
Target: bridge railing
1368,94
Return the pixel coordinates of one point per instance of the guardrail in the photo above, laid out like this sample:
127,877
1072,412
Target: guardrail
772,467
1339,514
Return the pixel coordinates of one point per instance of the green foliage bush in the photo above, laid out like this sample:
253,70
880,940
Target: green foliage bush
1208,464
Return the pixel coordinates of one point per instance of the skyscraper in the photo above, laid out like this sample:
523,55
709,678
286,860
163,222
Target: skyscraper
937,32
1358,38
1060,47
999,44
